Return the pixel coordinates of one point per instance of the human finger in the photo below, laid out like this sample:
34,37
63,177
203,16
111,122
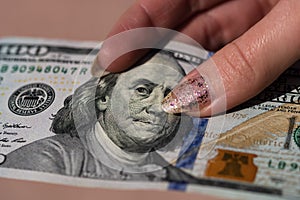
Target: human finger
225,22
146,13
245,66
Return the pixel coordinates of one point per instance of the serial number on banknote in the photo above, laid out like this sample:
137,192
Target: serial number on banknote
283,165
48,69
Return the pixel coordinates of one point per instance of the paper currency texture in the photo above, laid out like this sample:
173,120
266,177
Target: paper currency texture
58,124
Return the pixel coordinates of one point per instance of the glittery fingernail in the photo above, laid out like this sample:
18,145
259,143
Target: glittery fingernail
191,95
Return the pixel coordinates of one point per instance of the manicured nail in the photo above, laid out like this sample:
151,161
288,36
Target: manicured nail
96,70
191,95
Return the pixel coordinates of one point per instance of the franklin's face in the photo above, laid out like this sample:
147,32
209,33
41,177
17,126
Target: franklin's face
134,119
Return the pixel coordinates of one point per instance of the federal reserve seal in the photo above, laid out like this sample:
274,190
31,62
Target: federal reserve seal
31,99
297,136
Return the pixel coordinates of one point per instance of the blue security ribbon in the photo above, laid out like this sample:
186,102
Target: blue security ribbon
189,150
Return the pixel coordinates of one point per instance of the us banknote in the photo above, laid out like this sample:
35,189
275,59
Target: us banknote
58,124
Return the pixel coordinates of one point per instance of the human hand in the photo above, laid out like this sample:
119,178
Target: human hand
260,38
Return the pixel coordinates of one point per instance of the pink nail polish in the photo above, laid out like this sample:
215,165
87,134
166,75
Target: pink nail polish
191,95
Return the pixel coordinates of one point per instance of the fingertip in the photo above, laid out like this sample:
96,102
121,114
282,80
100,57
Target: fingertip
109,61
201,93
106,60
96,69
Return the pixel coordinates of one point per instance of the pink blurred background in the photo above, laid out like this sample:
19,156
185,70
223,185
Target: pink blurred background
64,19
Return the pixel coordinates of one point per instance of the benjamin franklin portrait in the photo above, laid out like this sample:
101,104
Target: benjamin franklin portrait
113,126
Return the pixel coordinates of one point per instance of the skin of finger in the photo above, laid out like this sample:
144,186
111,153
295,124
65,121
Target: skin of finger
167,13
149,13
121,63
226,22
215,25
258,57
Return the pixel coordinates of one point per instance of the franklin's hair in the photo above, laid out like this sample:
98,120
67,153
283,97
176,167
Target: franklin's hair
83,104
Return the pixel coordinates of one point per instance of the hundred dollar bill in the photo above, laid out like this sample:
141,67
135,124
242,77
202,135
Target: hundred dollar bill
58,124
